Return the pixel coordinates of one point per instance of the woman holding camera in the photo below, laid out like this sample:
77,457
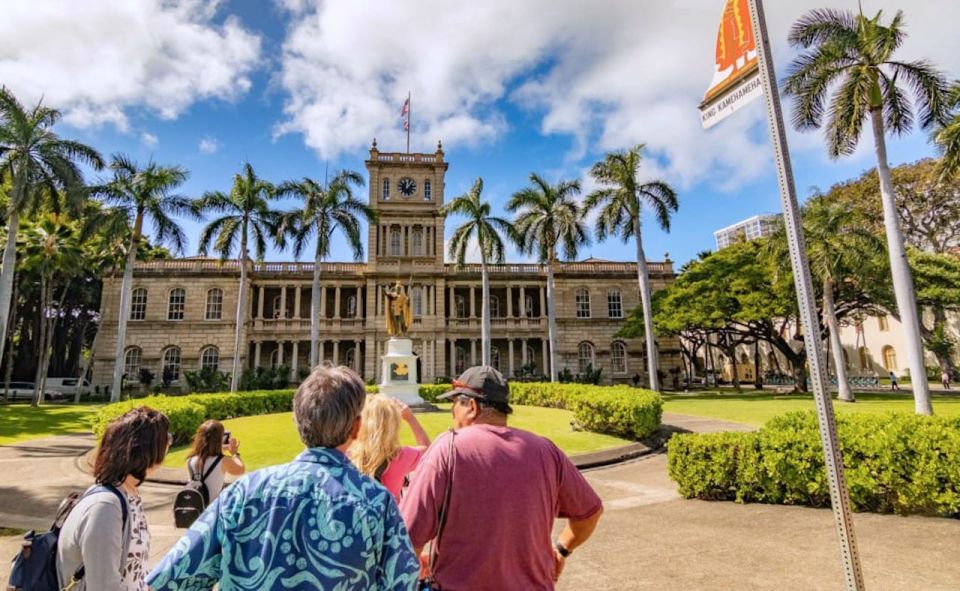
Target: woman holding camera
207,461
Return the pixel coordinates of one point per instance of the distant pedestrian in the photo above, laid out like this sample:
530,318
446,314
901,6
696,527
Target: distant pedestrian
377,451
207,457
106,534
945,379
314,523
498,491
893,381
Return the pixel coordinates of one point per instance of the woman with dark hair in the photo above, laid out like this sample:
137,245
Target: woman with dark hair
105,537
206,460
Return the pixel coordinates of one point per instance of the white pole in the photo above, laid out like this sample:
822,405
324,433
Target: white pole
839,499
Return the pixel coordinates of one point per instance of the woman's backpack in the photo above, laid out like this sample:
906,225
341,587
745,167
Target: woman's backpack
35,566
193,498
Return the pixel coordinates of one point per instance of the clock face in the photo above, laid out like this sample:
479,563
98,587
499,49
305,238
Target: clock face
407,186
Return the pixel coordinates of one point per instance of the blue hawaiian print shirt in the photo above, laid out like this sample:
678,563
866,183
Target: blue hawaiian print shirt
315,523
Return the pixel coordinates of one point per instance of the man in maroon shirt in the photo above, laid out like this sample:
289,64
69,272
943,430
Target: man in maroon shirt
506,487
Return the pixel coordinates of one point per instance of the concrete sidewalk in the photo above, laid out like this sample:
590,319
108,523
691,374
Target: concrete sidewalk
649,537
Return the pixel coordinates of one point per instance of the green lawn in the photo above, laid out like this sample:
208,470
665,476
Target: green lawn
20,422
272,439
758,408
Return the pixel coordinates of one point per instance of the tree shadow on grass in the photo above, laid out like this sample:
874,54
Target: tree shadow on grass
22,422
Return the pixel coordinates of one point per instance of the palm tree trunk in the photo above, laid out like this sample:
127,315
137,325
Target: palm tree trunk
11,328
241,311
315,312
900,270
551,322
126,286
643,279
44,328
830,315
6,275
485,311
86,367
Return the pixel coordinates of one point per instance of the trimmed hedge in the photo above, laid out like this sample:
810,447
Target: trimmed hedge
894,463
614,410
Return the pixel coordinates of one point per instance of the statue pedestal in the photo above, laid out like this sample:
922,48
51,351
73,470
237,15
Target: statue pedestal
400,372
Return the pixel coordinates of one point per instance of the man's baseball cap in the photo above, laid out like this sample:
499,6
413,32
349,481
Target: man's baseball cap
481,382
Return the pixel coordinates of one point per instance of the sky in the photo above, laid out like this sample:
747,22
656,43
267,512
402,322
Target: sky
301,87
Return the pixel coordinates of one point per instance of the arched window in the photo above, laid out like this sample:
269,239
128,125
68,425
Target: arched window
426,190
275,357
214,304
171,365
138,304
614,304
386,189
276,307
531,356
461,305
884,323
417,241
396,242
210,358
131,364
461,360
889,358
351,357
417,300
618,357
495,358
528,306
583,303
864,358
177,303
585,356
351,306
494,307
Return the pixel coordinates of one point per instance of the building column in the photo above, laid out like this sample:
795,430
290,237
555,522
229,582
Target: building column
320,357
473,302
336,302
279,353
336,352
283,302
509,302
510,354
546,357
295,358
543,302
473,352
453,302
453,359
323,302
296,302
256,354
263,295
523,303
523,352
376,362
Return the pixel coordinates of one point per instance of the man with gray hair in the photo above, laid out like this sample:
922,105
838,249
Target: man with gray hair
314,523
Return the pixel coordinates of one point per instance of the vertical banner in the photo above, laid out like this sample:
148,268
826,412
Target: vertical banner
736,75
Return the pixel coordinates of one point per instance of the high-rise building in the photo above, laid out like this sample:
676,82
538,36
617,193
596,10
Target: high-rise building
757,226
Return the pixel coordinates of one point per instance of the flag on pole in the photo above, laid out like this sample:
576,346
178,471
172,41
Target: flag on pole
736,77
405,114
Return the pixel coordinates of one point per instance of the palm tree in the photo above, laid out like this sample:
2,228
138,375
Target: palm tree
326,209
51,248
37,162
852,57
948,136
485,228
141,192
549,217
246,214
621,199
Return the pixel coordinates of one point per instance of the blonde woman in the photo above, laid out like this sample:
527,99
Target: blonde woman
377,451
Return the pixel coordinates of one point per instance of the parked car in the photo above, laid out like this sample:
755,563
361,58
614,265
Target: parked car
66,387
18,390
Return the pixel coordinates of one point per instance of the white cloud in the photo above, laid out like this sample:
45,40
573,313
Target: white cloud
97,60
609,75
148,139
209,145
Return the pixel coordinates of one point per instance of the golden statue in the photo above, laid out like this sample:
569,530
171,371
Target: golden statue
399,312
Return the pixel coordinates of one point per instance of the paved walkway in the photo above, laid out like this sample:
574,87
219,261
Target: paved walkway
649,537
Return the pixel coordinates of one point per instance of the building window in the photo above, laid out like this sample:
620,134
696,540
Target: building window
131,364
528,306
889,358
585,356
276,307
178,300
417,240
618,357
531,356
138,304
494,307
214,304
210,358
884,324
583,303
396,241
461,360
495,358
350,357
386,189
614,304
461,305
426,191
171,365
417,301
351,306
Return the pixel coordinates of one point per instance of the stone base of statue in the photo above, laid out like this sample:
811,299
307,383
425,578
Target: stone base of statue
400,372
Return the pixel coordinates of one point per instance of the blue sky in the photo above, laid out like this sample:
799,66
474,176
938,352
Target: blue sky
296,87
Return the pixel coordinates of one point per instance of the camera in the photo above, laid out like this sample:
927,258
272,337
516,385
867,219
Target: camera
226,437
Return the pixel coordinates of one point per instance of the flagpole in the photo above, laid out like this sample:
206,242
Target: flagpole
409,112
839,498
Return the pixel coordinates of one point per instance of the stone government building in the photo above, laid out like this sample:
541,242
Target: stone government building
183,311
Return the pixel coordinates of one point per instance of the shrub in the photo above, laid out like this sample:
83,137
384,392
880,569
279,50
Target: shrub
207,379
184,414
894,463
631,414
265,378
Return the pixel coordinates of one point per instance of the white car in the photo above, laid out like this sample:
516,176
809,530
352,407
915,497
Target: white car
65,387
18,390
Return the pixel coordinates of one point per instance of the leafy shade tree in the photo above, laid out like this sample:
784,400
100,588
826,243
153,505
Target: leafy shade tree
245,215
620,200
51,248
37,163
852,56
548,218
938,289
141,192
326,209
485,229
947,137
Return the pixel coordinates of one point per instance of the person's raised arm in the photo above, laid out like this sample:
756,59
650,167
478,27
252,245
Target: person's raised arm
421,437
232,464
